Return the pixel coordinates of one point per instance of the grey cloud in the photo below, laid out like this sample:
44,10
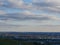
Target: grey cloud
30,29
43,4
21,16
49,6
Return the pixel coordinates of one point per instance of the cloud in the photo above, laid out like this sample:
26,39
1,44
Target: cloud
2,12
1,2
47,5
26,15
36,5
30,29
16,3
19,4
42,5
17,15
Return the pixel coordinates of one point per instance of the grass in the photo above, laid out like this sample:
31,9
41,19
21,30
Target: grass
4,41
8,42
13,42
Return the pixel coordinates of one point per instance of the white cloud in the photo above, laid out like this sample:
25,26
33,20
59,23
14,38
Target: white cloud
2,12
30,29
20,4
1,2
28,17
16,2
43,5
26,12
47,5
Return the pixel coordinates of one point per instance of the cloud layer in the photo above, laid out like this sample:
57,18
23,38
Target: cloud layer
26,16
45,5
50,11
30,15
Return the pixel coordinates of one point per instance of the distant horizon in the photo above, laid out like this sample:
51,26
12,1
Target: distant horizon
30,28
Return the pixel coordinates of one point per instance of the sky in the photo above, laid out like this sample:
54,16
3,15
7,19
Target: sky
29,14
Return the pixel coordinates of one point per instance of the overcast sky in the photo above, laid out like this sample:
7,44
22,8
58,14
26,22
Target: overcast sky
17,15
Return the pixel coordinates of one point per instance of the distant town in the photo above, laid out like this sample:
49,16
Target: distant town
38,38
30,35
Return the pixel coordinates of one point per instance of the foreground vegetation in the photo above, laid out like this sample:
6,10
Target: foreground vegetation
13,42
4,41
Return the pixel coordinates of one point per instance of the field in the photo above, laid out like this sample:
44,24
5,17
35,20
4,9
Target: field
14,42
28,42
